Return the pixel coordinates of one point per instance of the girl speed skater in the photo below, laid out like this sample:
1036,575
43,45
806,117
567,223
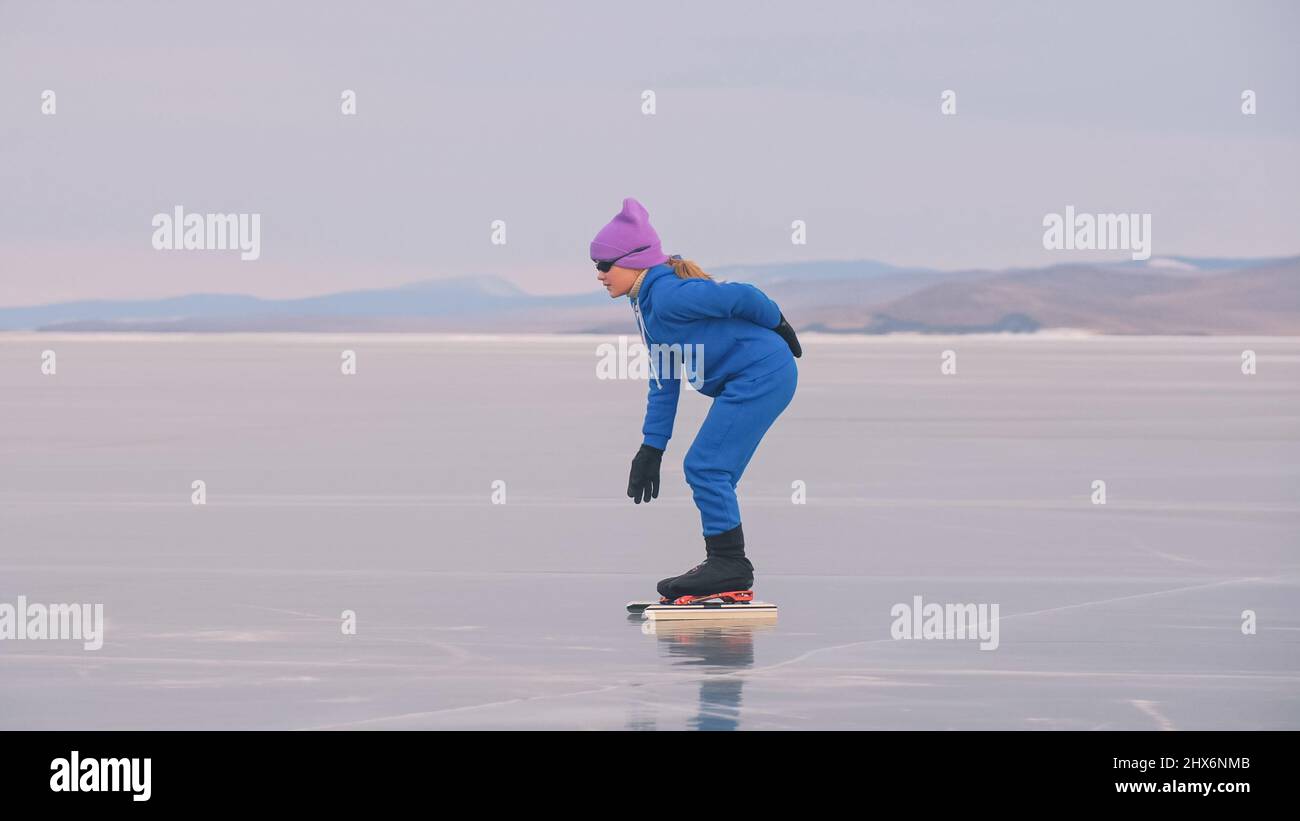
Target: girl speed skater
747,366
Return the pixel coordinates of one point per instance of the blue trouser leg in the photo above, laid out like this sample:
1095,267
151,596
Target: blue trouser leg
739,417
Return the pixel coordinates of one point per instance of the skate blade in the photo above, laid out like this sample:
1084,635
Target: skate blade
755,611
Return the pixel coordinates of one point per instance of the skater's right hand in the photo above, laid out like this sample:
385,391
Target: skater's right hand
643,482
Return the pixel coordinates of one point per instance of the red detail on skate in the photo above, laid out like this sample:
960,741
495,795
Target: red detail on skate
730,597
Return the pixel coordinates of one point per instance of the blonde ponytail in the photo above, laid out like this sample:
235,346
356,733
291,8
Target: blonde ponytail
686,269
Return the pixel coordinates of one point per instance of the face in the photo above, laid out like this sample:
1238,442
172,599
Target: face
618,281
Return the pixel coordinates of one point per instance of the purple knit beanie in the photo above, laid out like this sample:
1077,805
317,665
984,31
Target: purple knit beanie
629,229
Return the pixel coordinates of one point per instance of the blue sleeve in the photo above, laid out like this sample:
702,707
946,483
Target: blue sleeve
705,298
661,409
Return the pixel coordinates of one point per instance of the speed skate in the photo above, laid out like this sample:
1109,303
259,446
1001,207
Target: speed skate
735,604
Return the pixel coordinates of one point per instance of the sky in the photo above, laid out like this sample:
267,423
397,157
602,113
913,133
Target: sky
531,113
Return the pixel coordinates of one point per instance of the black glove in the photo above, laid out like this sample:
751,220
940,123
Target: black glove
787,333
643,482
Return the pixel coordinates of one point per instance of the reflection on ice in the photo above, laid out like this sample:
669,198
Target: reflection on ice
718,651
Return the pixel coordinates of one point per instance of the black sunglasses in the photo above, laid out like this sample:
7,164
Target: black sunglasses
605,264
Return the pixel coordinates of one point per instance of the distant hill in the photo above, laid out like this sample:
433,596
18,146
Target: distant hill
1170,295
1258,299
481,302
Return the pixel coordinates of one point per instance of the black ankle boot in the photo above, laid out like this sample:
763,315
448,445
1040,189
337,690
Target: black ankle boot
725,569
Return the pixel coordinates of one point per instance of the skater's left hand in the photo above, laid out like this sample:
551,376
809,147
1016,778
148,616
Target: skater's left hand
787,333
643,482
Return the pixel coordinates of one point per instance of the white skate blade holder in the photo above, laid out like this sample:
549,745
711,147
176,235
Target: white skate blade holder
701,611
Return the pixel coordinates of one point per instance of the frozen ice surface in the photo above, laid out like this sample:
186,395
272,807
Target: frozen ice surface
372,493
